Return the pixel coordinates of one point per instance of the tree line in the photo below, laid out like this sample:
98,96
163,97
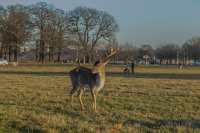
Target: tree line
164,54
48,30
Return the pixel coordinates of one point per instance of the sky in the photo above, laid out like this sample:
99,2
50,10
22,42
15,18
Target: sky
154,22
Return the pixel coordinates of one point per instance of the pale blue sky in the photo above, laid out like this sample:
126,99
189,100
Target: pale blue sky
142,21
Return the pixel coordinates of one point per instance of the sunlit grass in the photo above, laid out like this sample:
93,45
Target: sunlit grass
40,103
110,68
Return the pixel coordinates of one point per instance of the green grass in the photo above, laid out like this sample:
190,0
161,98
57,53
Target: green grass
35,99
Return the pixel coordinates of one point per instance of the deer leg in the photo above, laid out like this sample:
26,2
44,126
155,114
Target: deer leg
72,100
94,100
72,95
80,98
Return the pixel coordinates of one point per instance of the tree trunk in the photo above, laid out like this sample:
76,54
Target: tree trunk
1,52
59,55
51,52
87,57
42,52
84,60
49,55
5,53
16,53
36,52
9,53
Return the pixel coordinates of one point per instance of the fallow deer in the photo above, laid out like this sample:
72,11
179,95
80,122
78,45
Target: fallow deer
83,78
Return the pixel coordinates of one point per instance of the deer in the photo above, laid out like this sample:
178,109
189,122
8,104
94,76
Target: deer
92,79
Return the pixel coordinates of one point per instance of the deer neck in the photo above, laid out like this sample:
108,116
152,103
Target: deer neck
102,73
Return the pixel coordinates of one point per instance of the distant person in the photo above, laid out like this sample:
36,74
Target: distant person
133,67
126,69
180,66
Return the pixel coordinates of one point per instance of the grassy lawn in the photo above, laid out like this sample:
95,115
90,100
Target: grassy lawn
34,98
110,68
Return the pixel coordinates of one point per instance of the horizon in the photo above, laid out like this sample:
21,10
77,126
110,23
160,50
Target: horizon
157,22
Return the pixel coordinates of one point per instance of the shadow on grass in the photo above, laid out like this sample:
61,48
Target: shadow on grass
23,127
113,74
35,73
69,112
195,124
157,75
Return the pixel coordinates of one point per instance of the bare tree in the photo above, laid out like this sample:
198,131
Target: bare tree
192,47
15,30
186,52
145,52
167,52
20,28
56,35
41,13
2,22
88,26
128,52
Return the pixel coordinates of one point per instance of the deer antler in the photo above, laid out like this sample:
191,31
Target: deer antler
112,53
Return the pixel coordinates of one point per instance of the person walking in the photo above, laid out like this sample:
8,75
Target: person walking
133,67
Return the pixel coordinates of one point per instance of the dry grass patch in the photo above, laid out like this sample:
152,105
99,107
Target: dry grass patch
35,103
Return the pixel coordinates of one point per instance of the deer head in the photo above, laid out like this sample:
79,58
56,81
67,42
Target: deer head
100,65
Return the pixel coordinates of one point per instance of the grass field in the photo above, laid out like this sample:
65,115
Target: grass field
34,98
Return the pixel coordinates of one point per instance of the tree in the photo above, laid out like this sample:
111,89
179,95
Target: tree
167,52
14,29
88,26
56,33
40,16
19,21
146,52
186,52
2,21
128,52
192,48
